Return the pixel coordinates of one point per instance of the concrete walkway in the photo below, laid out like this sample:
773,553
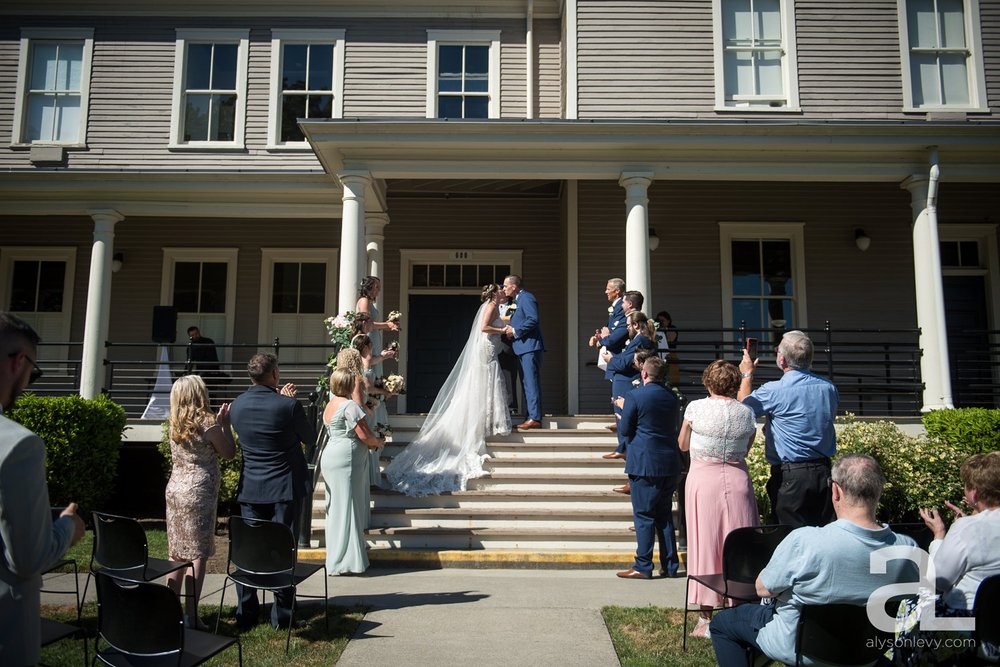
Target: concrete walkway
479,617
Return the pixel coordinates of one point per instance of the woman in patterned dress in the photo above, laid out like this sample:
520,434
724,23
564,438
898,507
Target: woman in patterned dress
197,439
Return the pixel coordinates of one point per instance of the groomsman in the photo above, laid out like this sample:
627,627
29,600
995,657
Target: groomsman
529,346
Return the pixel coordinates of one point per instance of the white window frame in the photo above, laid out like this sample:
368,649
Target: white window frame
270,256
793,232
187,36
489,38
789,65
986,237
228,255
976,69
279,38
11,254
29,35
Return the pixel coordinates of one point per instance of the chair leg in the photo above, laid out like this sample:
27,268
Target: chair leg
291,621
218,616
684,635
86,583
326,602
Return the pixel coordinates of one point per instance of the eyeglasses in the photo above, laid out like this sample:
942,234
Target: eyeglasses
36,372
830,481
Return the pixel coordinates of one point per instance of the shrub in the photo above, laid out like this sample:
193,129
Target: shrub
970,430
230,468
82,442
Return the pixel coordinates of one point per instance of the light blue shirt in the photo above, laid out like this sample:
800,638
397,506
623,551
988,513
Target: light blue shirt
799,410
828,565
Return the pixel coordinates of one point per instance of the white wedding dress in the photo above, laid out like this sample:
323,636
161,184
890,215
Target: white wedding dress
450,448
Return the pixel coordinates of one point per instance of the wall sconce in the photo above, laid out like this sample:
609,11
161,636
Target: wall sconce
116,262
654,240
861,239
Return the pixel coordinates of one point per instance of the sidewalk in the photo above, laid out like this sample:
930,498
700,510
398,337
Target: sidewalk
480,617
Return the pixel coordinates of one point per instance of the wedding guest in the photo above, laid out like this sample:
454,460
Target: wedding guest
343,463
649,422
666,337
614,340
198,439
719,497
529,346
203,360
613,336
374,397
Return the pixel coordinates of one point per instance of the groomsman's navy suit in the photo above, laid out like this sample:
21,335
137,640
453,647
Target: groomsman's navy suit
275,478
649,422
623,372
529,346
617,337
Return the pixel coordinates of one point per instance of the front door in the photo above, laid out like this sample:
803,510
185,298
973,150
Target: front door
436,343
968,341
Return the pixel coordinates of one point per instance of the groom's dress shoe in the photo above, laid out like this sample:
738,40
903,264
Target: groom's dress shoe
632,573
625,490
613,455
528,423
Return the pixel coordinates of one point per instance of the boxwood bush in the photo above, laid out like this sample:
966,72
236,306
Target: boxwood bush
82,442
230,469
970,430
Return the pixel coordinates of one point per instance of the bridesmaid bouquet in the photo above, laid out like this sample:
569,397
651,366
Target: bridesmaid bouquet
393,316
394,384
394,346
383,430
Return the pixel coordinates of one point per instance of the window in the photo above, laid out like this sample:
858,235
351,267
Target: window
307,81
201,284
960,254
37,285
297,292
210,73
755,55
763,281
53,85
458,275
463,74
942,55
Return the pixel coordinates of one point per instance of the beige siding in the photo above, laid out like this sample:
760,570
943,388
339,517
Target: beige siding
386,70
989,13
549,69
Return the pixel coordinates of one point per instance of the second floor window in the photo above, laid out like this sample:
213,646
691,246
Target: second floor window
463,74
306,82
755,64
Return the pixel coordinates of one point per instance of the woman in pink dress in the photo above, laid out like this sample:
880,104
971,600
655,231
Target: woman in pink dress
719,431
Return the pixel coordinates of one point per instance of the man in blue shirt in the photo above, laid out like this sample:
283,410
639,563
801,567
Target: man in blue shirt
799,436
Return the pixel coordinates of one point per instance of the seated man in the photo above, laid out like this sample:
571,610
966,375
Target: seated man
813,566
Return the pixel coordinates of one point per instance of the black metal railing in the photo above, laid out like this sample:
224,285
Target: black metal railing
974,357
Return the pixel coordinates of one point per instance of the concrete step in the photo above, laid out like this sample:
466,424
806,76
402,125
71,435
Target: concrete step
591,539
481,517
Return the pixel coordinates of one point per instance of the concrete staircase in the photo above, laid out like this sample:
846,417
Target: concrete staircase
547,501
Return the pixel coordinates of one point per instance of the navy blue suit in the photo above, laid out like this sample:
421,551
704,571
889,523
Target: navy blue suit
623,372
649,422
616,340
275,477
529,346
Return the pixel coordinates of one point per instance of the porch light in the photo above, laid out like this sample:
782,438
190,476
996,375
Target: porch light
116,262
861,239
654,240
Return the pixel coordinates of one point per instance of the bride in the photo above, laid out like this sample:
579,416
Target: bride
472,405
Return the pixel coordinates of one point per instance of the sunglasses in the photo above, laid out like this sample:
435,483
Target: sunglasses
36,372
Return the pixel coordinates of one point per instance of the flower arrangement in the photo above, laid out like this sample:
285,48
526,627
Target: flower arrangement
394,346
393,316
383,430
394,384
340,329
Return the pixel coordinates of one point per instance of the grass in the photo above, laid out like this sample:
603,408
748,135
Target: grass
263,646
648,636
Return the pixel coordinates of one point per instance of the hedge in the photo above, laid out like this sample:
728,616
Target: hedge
970,430
82,442
230,468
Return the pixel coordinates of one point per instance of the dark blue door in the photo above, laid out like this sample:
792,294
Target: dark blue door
439,327
968,342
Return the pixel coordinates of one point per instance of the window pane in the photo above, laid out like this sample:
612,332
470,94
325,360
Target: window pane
50,287
70,64
321,67
435,275
450,60
41,112
24,286
501,272
738,73
478,83
970,253
293,107
768,20
925,80
313,288
777,267
186,278
67,118
450,84
736,21
746,267
921,24
952,24
749,311
224,118
43,66
449,107
477,107
780,311
224,70
420,275
470,276
196,117
487,274
453,275
769,74
320,106
949,253
199,66
477,60
285,287
213,287
293,67
956,79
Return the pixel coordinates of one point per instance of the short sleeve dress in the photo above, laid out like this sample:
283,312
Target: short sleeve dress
193,496
344,463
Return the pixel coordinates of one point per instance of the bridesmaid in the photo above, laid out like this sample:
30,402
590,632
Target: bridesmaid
343,463
368,293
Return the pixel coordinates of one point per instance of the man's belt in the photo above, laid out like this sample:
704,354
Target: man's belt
805,463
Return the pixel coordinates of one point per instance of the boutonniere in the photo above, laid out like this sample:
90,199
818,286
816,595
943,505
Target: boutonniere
611,309
636,382
511,308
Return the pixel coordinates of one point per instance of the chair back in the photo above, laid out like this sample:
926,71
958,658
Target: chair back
746,551
139,619
838,634
987,611
119,542
258,546
920,533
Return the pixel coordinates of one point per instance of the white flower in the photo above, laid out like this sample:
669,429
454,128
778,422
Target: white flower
611,309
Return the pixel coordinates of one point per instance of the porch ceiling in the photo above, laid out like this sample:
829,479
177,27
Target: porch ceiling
676,150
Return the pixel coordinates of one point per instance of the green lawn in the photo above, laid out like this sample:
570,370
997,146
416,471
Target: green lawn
651,636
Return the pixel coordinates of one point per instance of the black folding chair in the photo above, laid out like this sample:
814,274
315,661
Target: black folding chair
263,556
122,551
838,634
745,552
986,610
143,624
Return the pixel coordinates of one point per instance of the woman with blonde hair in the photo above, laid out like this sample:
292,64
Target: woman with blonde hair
344,462
197,439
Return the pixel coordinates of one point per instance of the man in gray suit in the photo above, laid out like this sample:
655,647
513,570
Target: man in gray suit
30,541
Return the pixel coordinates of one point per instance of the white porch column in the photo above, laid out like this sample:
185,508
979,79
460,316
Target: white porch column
637,276
934,366
95,332
374,241
352,236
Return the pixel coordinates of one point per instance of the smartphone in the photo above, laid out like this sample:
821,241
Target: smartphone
752,348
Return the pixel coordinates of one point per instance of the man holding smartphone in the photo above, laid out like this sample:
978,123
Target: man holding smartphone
799,437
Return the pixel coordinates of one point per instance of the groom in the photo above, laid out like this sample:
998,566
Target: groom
528,345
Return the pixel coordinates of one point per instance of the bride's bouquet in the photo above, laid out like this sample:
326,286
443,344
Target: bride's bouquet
394,384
